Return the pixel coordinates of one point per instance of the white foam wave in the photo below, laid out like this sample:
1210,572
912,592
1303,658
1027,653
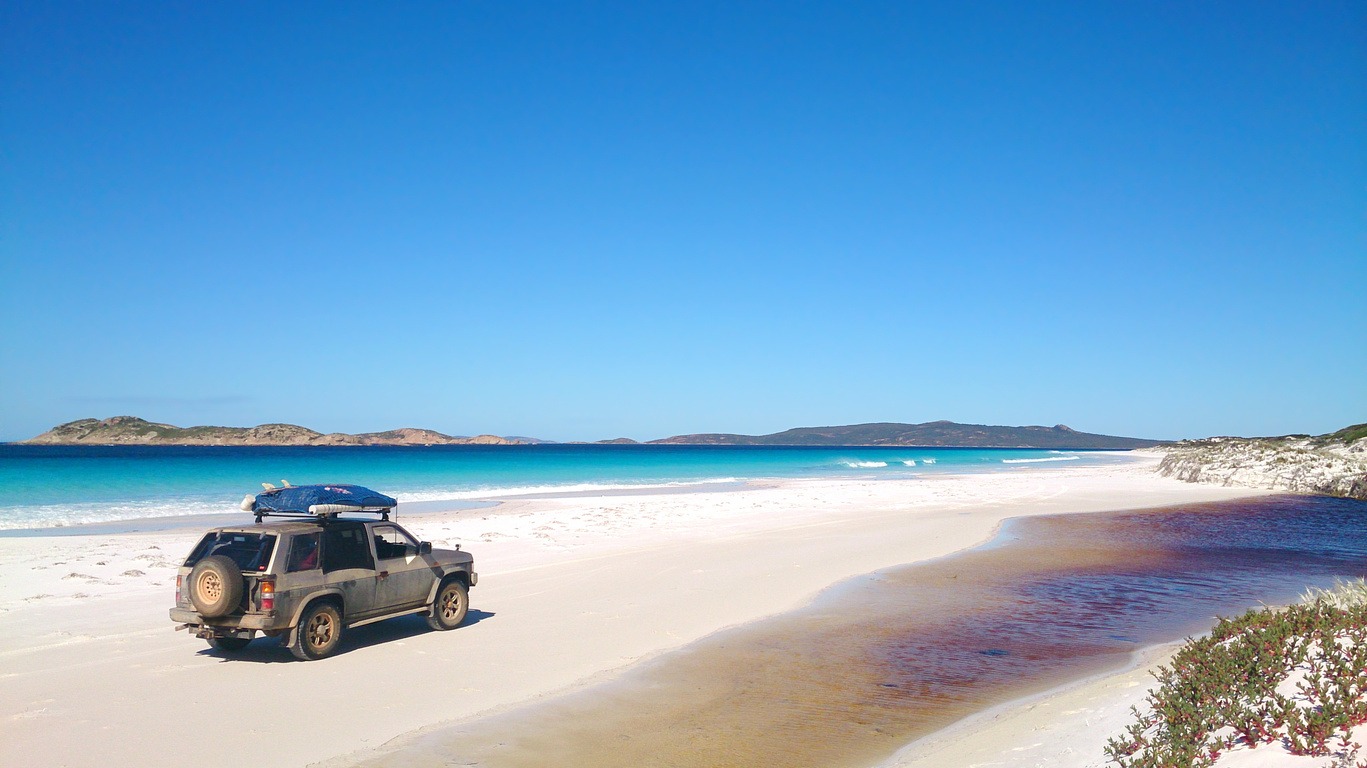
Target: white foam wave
1035,461
865,464
497,492
909,462
83,513
927,461
65,515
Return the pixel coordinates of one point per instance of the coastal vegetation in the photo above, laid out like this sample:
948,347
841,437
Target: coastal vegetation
1334,464
1346,435
1293,680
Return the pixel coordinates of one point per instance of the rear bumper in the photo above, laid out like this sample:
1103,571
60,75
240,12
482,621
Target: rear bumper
245,621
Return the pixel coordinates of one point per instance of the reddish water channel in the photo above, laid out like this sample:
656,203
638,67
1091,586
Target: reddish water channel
881,660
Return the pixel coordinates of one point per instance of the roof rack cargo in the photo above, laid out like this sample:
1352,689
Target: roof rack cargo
321,501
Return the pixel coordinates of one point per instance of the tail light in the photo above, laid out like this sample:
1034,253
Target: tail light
178,580
268,594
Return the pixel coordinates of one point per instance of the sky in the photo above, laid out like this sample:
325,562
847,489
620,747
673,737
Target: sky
579,221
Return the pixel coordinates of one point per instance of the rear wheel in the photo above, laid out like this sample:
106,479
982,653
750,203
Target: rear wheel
319,632
453,602
228,644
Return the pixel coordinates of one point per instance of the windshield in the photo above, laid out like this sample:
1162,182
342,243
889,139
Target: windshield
251,551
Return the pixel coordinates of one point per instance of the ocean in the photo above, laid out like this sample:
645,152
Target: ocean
55,486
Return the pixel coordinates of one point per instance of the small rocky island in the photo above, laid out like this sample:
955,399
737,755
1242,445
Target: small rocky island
131,430
1334,464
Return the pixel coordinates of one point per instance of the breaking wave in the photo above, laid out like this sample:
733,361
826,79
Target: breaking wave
45,516
497,492
15,518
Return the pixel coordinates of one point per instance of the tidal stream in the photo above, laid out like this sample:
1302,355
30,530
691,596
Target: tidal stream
881,660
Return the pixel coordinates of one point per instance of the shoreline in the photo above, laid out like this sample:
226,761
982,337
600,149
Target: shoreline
65,513
629,559
1066,726
880,660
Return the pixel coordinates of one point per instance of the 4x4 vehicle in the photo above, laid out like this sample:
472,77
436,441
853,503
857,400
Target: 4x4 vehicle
305,580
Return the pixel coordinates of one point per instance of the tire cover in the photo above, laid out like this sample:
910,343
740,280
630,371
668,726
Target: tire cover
216,586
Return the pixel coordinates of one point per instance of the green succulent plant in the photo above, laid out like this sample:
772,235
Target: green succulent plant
1221,691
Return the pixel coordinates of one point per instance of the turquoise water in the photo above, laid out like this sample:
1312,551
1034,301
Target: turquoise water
47,486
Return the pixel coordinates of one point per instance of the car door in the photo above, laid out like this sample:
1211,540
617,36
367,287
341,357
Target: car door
349,566
404,579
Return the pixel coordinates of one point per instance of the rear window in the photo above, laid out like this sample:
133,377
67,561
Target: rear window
251,551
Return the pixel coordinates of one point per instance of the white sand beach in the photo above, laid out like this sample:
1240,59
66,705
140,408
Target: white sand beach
571,591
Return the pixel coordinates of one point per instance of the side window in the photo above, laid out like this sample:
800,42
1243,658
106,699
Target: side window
390,542
303,552
346,547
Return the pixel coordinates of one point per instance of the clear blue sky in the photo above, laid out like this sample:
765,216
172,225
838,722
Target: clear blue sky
579,221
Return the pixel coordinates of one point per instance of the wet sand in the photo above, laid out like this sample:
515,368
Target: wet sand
880,661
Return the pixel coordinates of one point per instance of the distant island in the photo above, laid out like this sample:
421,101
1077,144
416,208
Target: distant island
932,434
131,430
1333,464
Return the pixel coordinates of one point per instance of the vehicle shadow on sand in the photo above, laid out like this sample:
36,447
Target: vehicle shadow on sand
268,650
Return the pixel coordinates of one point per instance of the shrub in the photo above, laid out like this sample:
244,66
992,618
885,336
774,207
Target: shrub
1221,690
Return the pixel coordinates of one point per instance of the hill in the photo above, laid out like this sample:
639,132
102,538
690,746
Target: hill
1334,464
933,434
131,430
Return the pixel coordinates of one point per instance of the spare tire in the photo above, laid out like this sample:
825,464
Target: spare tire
215,586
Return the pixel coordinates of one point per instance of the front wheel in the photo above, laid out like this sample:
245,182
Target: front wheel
453,601
319,632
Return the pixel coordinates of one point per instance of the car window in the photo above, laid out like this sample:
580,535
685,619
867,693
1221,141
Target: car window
303,552
390,542
346,546
251,551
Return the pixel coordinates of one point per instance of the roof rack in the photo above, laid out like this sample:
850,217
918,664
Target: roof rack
325,512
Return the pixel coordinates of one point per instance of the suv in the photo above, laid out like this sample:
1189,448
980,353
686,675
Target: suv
307,579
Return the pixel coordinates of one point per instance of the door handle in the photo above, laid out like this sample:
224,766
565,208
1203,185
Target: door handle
384,574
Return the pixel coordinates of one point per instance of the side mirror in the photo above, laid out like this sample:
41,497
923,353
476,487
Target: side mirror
424,547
